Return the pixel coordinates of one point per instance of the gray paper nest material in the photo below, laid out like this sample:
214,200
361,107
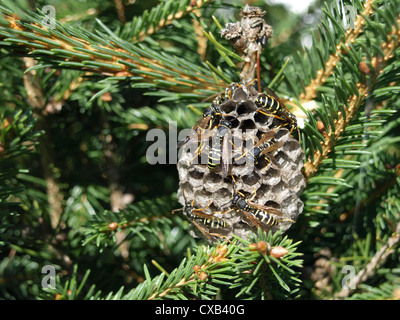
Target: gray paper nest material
279,187
248,37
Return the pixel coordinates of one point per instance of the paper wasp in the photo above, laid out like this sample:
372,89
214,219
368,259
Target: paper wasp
258,214
265,145
210,117
199,217
271,105
220,152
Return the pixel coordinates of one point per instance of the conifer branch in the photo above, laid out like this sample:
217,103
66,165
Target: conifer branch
323,74
311,167
17,137
199,272
201,39
192,7
376,194
351,75
388,47
343,120
112,56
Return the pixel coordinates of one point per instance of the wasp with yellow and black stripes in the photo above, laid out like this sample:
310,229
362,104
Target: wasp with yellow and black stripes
271,105
260,215
220,152
200,218
211,116
265,145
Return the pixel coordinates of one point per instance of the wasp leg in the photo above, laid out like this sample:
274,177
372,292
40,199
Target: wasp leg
251,83
271,115
202,209
287,219
268,165
254,195
198,151
224,212
220,236
175,210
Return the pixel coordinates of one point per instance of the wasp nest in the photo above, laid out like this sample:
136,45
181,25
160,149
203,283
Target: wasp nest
276,181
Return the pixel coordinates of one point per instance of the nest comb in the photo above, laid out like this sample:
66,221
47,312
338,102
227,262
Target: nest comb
278,182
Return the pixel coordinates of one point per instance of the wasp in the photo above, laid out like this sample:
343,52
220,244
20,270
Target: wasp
265,145
210,118
220,152
274,106
212,115
260,215
199,217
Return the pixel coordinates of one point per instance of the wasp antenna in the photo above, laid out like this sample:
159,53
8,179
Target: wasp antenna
175,210
184,195
258,71
233,178
298,132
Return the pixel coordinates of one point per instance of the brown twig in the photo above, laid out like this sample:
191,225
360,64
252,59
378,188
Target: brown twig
330,65
388,48
311,167
119,6
37,101
116,193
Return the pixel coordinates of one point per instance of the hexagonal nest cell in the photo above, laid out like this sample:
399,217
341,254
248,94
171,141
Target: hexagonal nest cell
273,183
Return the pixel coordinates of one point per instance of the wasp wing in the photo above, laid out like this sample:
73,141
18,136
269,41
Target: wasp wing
201,213
200,124
254,220
265,137
203,231
226,155
265,208
271,148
